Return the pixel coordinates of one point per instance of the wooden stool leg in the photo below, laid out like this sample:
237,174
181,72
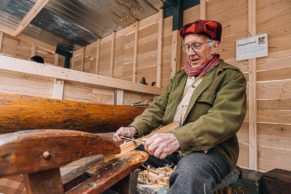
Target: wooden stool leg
48,181
128,184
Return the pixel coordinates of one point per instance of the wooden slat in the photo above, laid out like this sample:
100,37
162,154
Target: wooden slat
160,48
33,50
252,92
38,6
97,56
83,58
112,54
135,53
274,89
18,65
57,59
58,90
176,52
1,41
202,9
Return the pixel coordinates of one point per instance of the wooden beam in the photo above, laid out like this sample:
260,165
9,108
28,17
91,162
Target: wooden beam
202,9
135,53
58,90
38,6
1,41
49,71
97,57
253,157
112,54
160,48
176,52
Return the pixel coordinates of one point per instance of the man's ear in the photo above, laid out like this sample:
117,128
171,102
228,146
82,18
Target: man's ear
215,47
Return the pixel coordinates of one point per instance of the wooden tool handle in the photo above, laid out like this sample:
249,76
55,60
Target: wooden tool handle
129,146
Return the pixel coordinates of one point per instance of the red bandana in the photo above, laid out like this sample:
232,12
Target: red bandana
203,69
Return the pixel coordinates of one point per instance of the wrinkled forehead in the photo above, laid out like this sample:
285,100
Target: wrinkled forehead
192,38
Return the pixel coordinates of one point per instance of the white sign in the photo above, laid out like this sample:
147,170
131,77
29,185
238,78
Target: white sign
252,47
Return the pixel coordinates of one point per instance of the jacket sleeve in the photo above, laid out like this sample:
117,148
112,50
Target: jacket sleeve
152,116
222,120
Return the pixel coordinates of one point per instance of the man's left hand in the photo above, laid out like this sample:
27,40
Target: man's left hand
161,145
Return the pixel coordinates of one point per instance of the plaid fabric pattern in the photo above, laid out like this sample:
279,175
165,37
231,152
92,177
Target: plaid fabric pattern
209,28
12,185
203,69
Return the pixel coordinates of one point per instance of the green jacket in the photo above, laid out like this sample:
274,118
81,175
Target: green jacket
215,113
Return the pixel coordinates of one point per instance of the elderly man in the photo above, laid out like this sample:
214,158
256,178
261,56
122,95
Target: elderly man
208,100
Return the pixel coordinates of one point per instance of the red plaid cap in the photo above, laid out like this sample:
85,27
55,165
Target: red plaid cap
209,28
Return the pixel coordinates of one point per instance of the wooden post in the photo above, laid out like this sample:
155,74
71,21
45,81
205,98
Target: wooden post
83,58
176,52
160,48
57,58
119,97
58,89
253,160
97,56
1,41
135,52
202,9
112,54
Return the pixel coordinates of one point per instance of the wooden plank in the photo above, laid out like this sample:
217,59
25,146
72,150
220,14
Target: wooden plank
58,90
32,13
110,173
97,56
1,41
119,97
39,44
47,181
135,53
176,52
252,92
37,150
27,112
160,48
23,66
112,54
202,9
274,89
276,181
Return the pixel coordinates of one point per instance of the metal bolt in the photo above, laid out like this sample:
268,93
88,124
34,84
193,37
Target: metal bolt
46,155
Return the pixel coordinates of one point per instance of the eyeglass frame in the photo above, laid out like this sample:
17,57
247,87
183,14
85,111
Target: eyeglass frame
197,48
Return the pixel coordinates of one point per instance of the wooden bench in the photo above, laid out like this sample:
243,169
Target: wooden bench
39,154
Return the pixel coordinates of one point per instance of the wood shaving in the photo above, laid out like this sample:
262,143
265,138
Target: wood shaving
154,179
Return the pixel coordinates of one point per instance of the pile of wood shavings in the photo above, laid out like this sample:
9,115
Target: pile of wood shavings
153,180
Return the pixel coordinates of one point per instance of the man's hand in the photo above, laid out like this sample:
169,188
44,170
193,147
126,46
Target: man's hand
124,131
161,145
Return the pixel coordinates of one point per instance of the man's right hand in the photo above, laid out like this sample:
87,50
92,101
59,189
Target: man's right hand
124,131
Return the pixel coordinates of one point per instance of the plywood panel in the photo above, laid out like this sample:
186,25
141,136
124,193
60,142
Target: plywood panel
243,159
25,84
85,93
270,158
90,58
272,18
270,90
104,63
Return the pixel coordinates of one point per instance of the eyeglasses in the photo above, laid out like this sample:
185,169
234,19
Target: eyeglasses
196,46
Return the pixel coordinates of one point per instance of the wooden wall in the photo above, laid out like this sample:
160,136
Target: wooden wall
265,136
24,47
